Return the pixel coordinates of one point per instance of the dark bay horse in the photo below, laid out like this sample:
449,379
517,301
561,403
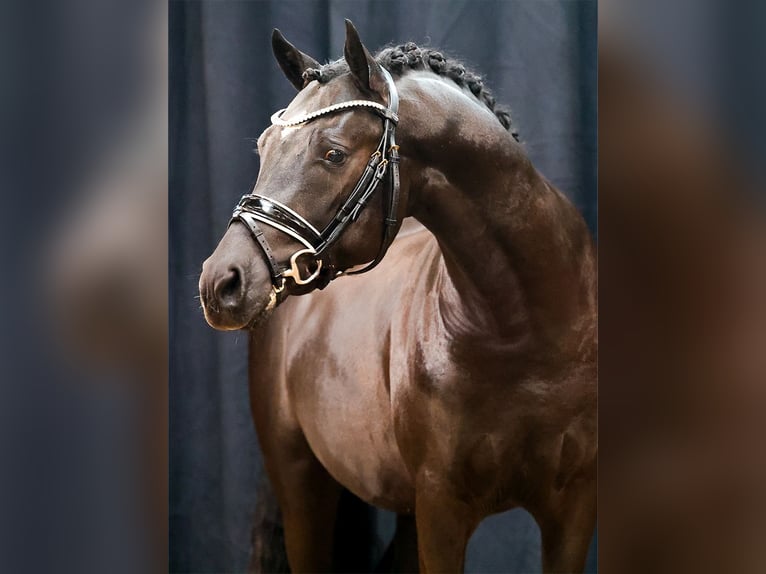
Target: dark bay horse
458,378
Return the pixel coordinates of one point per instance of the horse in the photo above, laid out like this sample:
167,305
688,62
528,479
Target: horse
457,377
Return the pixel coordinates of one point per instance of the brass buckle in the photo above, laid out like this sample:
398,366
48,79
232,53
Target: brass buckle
295,272
381,169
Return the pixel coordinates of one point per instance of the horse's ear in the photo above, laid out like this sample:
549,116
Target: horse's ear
292,61
365,70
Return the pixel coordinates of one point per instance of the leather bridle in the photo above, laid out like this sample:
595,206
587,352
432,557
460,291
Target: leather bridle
254,208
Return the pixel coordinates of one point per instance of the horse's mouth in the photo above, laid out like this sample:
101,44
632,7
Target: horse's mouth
245,317
265,312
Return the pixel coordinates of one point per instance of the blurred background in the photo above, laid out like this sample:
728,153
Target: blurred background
682,304
538,57
83,341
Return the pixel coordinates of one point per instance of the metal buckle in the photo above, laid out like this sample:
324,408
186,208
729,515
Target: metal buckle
381,169
295,272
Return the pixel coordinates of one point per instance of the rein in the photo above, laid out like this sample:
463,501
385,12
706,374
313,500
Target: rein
254,208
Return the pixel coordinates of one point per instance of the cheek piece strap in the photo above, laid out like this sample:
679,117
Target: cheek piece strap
254,209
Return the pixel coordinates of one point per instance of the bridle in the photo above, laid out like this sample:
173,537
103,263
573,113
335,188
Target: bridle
254,208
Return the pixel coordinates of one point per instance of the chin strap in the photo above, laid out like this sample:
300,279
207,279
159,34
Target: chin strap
253,209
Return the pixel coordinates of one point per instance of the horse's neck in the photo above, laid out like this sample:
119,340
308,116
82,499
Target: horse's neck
518,257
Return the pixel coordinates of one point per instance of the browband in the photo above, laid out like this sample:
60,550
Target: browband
253,209
276,117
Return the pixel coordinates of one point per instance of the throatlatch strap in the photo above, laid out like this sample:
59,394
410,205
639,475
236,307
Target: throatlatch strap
390,218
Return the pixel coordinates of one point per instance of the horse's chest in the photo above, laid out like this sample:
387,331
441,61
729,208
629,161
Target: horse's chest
345,414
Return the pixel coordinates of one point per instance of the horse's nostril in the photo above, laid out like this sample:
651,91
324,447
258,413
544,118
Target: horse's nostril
228,290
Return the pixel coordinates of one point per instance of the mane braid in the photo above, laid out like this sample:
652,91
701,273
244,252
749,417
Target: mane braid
400,59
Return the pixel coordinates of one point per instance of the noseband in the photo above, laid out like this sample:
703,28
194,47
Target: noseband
254,208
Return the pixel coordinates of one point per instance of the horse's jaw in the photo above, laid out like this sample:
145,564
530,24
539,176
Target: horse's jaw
264,314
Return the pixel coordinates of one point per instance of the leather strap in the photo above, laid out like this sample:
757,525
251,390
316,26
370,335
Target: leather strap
246,218
390,218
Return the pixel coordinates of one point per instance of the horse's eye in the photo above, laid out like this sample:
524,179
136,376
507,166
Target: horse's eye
335,156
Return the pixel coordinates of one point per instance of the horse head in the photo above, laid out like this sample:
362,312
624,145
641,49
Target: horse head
327,195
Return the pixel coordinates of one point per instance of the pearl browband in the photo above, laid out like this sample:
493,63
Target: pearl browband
277,120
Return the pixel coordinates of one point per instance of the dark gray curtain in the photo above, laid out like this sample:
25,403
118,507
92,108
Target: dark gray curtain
538,56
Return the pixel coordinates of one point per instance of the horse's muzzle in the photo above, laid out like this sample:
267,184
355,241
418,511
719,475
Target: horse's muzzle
234,285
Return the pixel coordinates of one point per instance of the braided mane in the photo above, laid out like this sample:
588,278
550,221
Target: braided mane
400,59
